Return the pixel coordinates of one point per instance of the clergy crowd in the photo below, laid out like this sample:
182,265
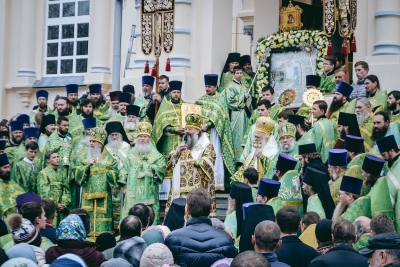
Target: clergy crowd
82,178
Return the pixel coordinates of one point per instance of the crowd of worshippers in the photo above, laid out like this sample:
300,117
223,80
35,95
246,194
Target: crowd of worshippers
96,156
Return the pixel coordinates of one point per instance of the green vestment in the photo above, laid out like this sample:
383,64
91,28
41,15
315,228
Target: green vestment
120,155
216,113
167,121
118,117
393,180
101,112
21,153
142,103
235,98
42,140
276,203
366,133
392,130
53,185
304,110
75,125
35,110
314,204
227,77
394,118
379,99
360,207
97,180
362,241
24,173
325,135
328,84
290,191
294,153
334,188
142,174
9,191
11,149
231,223
380,198
348,107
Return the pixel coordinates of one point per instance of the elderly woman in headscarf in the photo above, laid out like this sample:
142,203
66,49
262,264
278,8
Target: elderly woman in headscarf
71,238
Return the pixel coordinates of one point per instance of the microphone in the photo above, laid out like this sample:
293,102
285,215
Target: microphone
185,138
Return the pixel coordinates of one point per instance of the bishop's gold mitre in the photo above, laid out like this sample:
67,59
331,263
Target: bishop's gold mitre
265,125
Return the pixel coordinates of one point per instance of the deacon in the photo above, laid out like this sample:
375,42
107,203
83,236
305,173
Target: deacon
192,162
328,84
9,190
114,103
53,185
16,138
316,187
123,101
47,127
41,97
73,97
24,172
341,102
351,205
379,193
239,104
131,121
312,82
142,173
337,165
25,120
217,125
267,193
264,148
143,101
390,153
97,171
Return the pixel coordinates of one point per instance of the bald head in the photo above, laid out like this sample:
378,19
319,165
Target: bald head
267,236
362,226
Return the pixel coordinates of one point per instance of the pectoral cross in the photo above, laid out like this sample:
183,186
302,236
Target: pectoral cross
65,159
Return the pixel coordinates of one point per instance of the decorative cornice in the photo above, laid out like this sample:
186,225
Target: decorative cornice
387,13
386,48
24,92
26,73
100,69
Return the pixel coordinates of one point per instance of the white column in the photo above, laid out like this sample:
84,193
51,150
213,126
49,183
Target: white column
26,61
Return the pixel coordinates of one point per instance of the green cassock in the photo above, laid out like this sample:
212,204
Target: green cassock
360,207
167,121
227,78
97,181
328,84
9,190
142,174
290,191
348,107
20,155
366,133
276,203
142,103
304,110
325,135
101,113
11,149
393,180
75,125
379,99
216,113
25,174
362,241
235,98
54,185
118,117
380,198
314,204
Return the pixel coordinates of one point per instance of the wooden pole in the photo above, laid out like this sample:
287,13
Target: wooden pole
346,62
157,74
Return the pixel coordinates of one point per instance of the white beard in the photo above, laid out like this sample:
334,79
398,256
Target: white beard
87,139
143,148
130,125
334,176
94,153
288,147
114,144
192,140
111,111
361,118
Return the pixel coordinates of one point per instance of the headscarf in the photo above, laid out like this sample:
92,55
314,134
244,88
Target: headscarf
68,260
255,215
153,236
71,228
106,241
175,218
19,262
318,181
22,250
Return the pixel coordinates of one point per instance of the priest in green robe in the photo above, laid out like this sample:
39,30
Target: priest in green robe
31,134
97,171
365,119
9,190
75,122
227,75
100,109
267,194
73,97
341,102
290,190
117,144
263,150
142,173
47,127
389,150
312,82
379,193
16,138
130,123
316,187
42,97
53,185
393,105
143,100
218,128
239,104
351,205
123,100
328,84
25,120
376,96
337,165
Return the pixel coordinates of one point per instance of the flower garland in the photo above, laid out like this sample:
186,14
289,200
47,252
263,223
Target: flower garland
288,42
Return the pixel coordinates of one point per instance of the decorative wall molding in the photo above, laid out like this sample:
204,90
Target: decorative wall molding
100,69
26,73
24,92
386,48
387,13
